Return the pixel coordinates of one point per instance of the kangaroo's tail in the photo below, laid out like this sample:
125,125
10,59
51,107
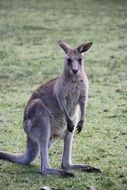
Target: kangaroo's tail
24,158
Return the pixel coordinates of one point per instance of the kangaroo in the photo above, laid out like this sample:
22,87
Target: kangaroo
56,109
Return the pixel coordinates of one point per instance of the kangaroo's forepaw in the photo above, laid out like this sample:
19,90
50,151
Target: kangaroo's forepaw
79,126
90,169
66,174
70,126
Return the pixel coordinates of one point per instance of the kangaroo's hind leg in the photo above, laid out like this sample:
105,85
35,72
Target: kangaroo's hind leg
66,159
40,132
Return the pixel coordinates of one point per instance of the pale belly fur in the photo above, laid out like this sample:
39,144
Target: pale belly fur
59,125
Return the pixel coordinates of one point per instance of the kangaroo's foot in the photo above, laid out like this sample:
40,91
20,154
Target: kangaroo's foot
82,167
58,172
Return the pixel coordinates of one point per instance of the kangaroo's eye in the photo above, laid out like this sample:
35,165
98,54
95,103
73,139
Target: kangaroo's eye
80,61
69,61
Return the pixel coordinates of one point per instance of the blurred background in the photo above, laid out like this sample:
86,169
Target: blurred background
29,56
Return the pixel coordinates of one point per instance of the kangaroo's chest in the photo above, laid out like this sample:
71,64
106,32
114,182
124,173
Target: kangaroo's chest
73,95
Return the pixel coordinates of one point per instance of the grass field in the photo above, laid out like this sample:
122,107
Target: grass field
29,56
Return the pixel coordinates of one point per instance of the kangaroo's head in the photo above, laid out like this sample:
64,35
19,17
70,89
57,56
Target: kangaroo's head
73,64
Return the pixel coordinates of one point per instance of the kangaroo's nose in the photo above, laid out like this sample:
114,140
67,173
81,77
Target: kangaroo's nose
75,71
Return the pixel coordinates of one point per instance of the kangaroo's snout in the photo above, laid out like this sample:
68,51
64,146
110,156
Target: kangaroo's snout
75,71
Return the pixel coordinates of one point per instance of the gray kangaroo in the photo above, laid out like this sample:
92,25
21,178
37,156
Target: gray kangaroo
54,110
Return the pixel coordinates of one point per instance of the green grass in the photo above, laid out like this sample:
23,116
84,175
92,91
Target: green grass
29,56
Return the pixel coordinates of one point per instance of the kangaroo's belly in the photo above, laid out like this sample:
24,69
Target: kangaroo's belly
58,125
58,122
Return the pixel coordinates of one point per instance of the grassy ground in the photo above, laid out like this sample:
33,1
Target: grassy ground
29,56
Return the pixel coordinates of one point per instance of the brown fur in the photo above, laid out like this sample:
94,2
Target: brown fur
54,110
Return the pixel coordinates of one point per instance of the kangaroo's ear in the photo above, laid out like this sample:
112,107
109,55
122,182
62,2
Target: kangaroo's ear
84,47
64,46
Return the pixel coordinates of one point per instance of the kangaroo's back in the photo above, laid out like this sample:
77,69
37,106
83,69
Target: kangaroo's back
45,94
